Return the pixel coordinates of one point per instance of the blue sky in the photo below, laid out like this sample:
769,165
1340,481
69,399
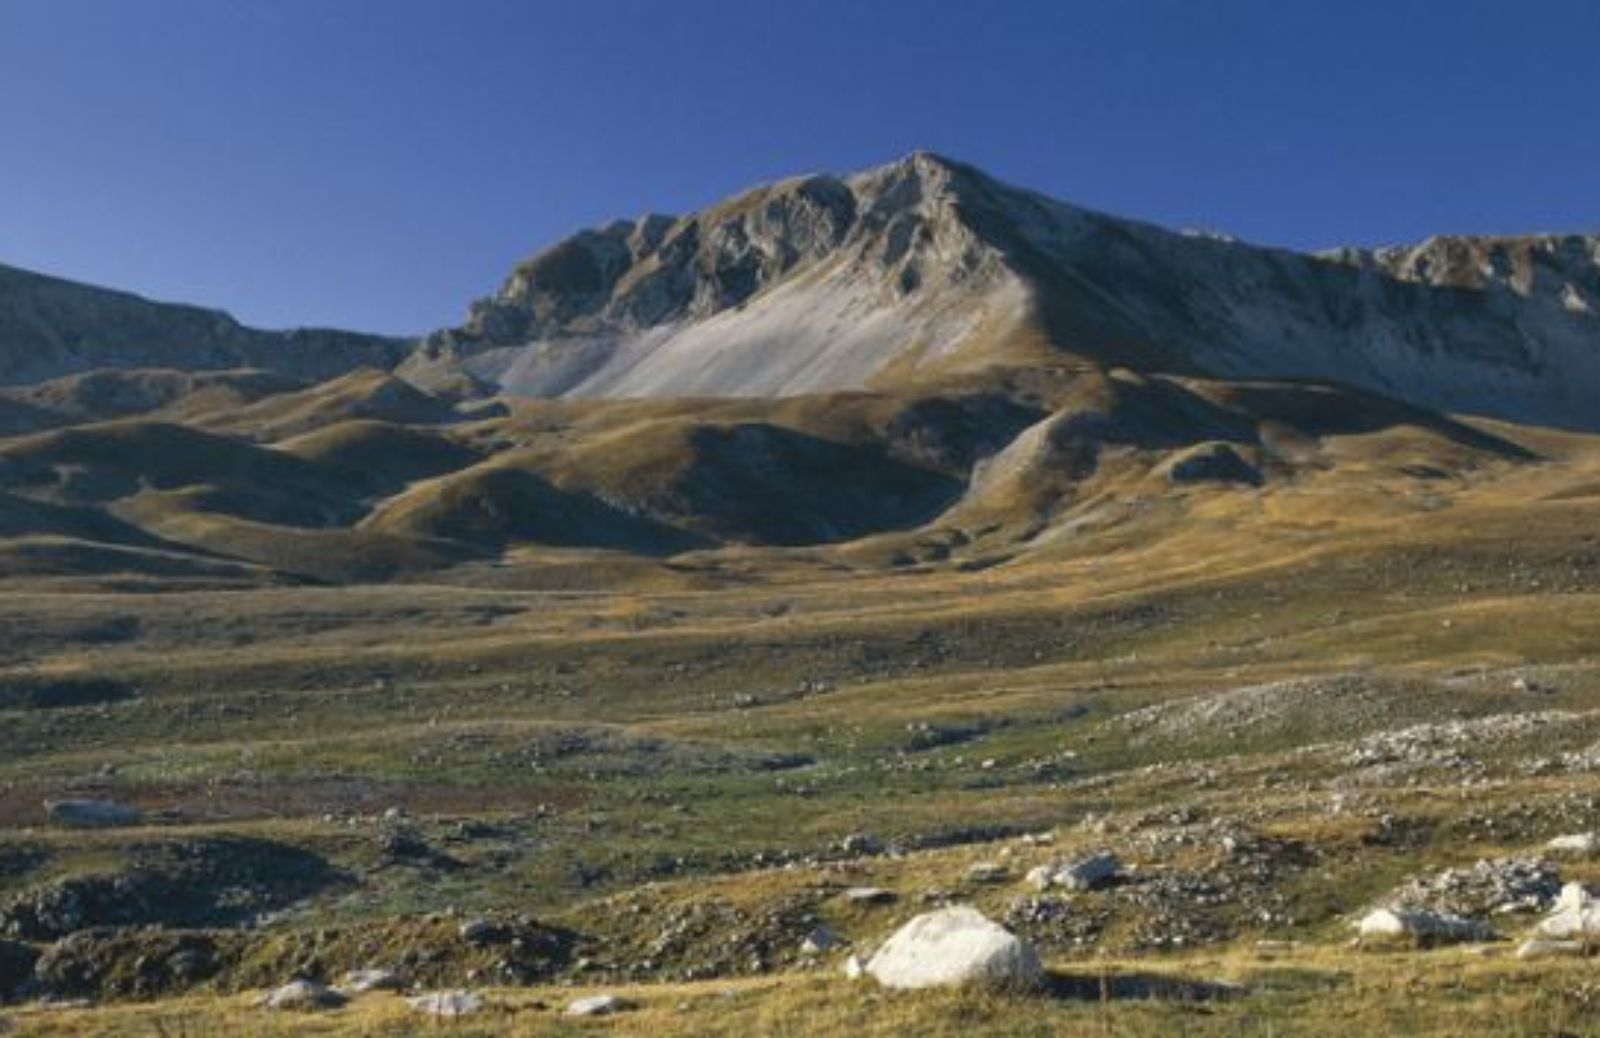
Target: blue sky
377,163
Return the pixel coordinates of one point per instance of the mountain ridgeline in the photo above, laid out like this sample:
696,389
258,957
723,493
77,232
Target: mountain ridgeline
51,328
912,367
926,267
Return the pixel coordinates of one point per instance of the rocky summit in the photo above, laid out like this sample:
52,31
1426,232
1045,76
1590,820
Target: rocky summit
929,266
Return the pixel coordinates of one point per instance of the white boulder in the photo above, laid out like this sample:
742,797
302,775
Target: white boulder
952,947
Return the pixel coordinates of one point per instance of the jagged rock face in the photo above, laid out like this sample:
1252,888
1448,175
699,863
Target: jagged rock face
926,267
1563,270
810,284
50,328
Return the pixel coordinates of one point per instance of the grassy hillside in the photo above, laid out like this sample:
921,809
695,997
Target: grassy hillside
376,679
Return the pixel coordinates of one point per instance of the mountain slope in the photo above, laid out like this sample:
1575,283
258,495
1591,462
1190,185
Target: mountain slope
50,327
926,267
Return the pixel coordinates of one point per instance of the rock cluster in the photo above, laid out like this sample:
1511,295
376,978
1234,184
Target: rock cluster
1491,886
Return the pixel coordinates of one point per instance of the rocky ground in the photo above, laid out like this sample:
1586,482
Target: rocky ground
1205,782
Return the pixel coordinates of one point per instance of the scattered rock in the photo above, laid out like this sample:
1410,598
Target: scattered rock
448,1005
1092,872
1547,949
480,933
987,872
955,946
91,814
1491,886
1419,926
362,981
821,941
117,963
861,844
304,996
204,883
599,1005
1576,915
853,969
1575,845
869,896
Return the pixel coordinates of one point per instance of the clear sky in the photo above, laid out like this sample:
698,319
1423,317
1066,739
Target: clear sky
377,163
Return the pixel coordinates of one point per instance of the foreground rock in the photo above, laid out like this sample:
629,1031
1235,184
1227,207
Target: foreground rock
1576,915
1418,926
955,947
599,1005
91,814
448,1005
304,996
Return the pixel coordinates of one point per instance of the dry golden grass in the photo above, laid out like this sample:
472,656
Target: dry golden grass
1298,992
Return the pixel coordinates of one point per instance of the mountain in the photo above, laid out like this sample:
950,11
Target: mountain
914,366
928,267
50,328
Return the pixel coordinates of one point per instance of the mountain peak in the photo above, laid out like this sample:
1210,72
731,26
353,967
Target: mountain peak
927,268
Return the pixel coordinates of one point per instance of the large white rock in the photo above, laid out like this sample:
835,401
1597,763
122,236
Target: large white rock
1401,924
955,946
1576,915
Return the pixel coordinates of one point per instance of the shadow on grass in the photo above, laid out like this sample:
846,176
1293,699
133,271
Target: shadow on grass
1127,987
